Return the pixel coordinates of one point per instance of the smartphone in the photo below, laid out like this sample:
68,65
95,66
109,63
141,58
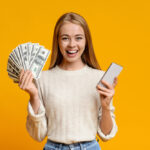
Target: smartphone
112,72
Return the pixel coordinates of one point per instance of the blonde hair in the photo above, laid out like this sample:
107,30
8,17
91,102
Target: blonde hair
88,55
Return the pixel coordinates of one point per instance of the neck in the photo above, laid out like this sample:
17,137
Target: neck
72,65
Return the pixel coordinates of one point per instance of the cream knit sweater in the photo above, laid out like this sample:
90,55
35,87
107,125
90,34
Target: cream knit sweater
70,107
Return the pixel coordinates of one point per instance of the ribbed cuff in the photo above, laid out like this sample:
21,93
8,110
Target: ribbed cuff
39,115
111,134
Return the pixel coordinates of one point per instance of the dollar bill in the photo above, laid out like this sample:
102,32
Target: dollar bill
11,64
34,51
39,61
13,74
11,68
27,56
29,48
12,61
24,55
16,80
16,54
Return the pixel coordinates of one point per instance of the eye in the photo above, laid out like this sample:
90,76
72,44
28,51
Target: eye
64,38
79,38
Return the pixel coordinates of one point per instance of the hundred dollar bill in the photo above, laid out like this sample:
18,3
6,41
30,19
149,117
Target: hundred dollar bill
10,63
11,68
13,74
14,58
20,56
35,49
24,55
29,48
39,61
27,56
15,53
15,79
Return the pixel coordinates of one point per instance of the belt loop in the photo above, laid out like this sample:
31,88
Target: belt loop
81,146
71,146
60,146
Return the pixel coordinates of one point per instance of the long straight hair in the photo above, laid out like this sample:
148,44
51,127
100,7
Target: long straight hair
88,56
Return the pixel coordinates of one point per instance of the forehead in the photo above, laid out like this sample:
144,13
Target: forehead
71,29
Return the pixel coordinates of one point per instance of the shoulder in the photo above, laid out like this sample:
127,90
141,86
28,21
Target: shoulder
45,75
96,72
95,75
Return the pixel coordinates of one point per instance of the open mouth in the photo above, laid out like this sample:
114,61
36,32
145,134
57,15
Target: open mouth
72,52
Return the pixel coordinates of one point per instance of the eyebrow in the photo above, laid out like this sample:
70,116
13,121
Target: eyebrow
68,35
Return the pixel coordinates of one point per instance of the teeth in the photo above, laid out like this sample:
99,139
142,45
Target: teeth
71,52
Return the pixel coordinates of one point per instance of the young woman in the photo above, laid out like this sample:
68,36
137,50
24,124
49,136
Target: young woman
66,104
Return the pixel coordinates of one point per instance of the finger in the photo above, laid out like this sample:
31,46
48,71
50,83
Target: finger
104,93
27,81
108,95
102,88
21,75
24,78
30,80
115,82
107,84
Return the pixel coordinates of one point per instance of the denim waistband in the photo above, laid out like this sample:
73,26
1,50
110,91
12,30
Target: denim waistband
74,145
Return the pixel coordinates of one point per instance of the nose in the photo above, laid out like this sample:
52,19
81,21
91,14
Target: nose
72,43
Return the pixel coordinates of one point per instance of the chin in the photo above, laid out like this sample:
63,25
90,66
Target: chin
72,60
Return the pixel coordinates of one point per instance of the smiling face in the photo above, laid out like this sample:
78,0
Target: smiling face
71,42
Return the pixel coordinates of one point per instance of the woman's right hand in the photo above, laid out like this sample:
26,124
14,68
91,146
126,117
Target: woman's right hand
26,83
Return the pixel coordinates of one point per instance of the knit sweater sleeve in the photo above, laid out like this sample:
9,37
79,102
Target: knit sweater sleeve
114,128
36,124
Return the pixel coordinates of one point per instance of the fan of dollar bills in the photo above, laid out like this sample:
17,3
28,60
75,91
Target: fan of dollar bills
27,56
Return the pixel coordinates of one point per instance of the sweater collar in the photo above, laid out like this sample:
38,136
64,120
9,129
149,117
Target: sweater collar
72,72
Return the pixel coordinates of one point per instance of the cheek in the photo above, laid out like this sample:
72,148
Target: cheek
82,45
62,45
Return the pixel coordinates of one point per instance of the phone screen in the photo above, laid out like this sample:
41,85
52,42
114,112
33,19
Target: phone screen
112,72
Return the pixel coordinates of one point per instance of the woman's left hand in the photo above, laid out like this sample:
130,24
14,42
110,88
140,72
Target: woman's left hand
106,94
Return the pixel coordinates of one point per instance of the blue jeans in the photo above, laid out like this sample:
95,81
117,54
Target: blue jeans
89,145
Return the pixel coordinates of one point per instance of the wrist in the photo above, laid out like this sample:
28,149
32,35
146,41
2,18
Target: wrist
34,94
106,109
35,103
34,97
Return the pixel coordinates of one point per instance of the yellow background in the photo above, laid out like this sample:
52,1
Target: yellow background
121,32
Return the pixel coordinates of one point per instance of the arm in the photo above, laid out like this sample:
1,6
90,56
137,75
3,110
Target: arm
107,128
35,102
36,122
107,125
